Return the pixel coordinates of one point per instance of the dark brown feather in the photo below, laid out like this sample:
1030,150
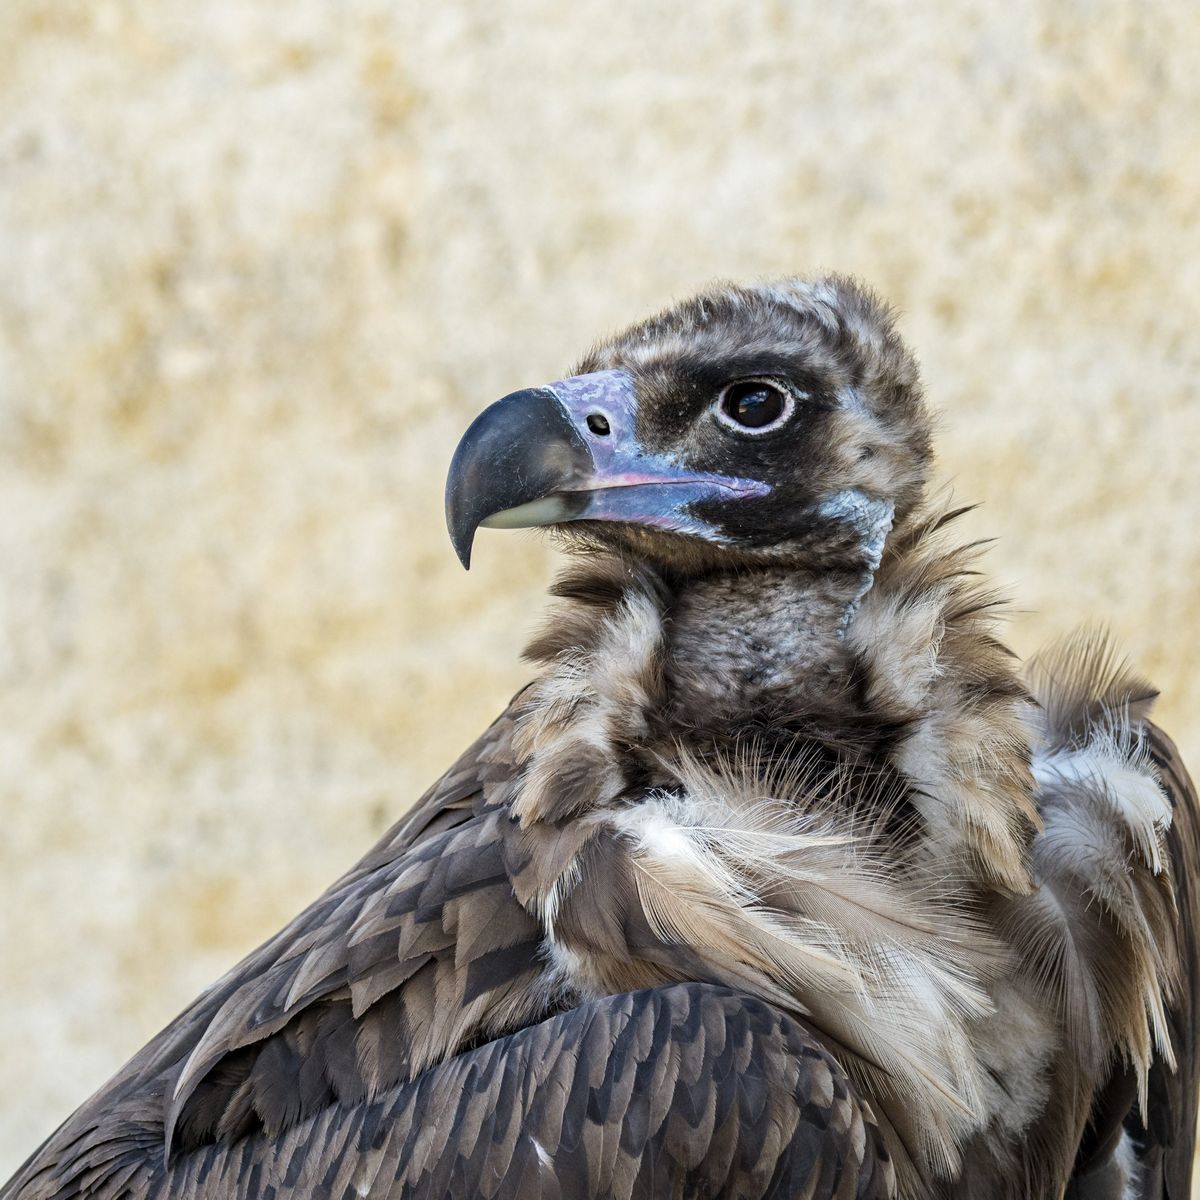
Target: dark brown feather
420,949
689,1092
777,880
1166,1134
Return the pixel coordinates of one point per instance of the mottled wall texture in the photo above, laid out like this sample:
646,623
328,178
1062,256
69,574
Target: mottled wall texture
260,263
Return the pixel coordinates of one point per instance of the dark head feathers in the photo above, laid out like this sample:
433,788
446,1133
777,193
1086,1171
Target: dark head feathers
861,427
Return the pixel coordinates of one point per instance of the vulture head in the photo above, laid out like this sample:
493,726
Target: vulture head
779,422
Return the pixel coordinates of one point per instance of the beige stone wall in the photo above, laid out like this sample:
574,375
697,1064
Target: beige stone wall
259,264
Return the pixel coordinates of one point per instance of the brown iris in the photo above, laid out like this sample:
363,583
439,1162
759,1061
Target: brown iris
753,404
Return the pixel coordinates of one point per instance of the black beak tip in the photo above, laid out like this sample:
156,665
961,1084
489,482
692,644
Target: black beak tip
519,449
462,547
459,524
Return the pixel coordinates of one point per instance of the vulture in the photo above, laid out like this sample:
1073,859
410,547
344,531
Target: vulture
782,878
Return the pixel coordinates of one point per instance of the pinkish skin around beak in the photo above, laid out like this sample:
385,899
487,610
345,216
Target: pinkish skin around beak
569,452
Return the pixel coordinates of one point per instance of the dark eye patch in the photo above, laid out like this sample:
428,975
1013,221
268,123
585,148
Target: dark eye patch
683,390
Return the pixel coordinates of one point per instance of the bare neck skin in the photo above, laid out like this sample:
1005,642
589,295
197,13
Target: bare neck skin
768,644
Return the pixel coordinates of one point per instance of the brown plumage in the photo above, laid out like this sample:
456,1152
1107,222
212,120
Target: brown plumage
780,879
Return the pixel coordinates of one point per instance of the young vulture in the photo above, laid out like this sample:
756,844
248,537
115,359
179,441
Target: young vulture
782,878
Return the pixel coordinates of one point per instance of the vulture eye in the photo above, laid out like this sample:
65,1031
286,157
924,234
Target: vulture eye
753,406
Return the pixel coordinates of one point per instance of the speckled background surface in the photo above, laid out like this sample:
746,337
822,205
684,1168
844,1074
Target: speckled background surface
259,265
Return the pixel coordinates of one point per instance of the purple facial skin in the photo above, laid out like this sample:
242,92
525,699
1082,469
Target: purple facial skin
570,452
628,483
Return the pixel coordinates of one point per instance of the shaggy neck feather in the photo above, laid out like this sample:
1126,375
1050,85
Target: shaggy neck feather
646,863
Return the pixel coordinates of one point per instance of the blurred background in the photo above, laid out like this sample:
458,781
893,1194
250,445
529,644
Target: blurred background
260,264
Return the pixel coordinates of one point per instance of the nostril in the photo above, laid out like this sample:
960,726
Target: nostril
598,424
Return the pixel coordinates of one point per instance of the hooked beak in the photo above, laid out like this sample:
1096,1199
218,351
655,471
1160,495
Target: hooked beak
569,452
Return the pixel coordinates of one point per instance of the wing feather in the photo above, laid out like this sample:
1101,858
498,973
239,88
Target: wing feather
419,949
1167,1139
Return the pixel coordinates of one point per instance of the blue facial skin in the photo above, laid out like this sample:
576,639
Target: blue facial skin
628,483
870,519
569,452
872,522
